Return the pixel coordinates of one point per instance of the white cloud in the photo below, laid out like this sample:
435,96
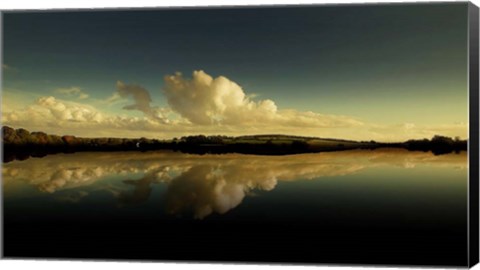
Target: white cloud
114,98
57,116
204,100
200,105
51,114
72,91
64,111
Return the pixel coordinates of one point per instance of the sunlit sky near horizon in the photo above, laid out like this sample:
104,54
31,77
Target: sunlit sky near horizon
382,72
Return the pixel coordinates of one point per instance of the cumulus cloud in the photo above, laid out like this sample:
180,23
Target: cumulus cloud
69,111
57,116
51,111
205,100
199,105
72,91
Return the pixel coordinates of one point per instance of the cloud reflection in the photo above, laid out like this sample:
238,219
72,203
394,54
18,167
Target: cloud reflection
198,185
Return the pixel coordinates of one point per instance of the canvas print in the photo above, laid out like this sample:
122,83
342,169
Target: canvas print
327,134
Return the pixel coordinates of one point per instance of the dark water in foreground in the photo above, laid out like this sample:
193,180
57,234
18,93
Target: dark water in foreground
352,207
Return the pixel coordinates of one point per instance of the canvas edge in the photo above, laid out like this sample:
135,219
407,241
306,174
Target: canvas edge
235,6
473,185
1,134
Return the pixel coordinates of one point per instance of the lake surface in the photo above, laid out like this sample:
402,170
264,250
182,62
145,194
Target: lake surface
388,206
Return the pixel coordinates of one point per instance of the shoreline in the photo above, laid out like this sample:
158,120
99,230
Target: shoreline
20,144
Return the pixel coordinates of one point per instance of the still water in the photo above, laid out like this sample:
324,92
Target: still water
385,206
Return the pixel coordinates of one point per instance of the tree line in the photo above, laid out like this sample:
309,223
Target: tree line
21,144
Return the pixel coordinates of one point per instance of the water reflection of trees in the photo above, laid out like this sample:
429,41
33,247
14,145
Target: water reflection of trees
201,185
